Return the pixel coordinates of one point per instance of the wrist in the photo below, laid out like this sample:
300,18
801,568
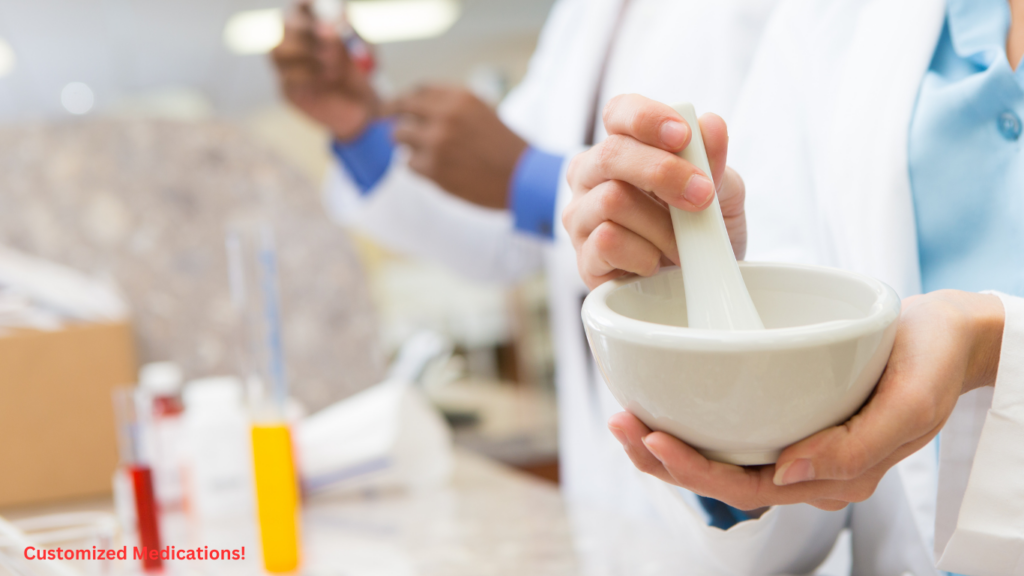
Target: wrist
350,126
351,131
987,319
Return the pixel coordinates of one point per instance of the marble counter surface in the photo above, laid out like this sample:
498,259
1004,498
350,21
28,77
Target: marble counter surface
146,204
489,521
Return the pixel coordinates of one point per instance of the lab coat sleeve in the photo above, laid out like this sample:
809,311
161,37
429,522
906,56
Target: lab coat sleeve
980,515
411,215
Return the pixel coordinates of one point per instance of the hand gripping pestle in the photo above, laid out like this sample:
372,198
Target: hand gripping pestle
716,297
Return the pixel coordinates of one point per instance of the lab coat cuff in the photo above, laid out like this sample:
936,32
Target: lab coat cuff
988,536
533,191
368,156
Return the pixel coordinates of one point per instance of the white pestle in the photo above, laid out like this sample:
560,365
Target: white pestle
716,297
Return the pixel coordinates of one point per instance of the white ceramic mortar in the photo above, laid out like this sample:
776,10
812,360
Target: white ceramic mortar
743,396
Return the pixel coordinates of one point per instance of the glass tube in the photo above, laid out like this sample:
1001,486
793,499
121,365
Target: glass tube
252,266
139,475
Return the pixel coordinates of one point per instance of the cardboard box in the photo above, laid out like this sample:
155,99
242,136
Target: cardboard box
57,431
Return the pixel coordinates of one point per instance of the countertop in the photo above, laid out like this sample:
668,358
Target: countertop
489,520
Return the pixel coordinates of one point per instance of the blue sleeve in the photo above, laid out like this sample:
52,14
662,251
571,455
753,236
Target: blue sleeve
722,515
532,192
368,156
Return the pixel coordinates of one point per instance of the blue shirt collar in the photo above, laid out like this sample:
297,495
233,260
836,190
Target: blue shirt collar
978,29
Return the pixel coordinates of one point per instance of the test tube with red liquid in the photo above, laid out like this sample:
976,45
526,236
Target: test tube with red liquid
359,50
134,471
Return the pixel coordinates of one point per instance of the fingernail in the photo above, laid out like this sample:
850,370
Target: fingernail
698,190
799,470
649,449
618,433
673,134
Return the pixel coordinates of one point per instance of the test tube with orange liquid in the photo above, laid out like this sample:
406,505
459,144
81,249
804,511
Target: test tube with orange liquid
277,496
252,265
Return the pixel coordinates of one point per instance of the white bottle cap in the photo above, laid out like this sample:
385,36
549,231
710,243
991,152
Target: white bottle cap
213,392
161,378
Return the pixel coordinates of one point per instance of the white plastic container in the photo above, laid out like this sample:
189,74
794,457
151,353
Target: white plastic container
218,467
162,433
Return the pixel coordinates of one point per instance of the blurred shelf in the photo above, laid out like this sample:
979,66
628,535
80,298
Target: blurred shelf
516,425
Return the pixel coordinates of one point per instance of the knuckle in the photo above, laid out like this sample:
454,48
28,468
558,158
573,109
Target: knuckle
653,263
604,238
611,200
611,106
640,119
568,215
662,171
587,278
608,153
619,102
572,171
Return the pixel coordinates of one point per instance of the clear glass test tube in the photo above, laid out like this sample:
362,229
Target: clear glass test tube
334,12
138,475
252,266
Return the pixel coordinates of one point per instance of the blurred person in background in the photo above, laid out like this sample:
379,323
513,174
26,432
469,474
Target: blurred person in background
437,174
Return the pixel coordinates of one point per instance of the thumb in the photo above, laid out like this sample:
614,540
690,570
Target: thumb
844,452
716,143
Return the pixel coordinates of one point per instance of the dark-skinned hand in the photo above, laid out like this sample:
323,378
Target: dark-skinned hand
459,142
317,75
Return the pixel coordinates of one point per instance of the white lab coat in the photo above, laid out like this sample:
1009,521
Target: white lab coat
824,187
820,138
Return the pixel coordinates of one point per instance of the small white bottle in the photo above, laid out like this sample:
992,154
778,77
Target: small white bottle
219,456
162,433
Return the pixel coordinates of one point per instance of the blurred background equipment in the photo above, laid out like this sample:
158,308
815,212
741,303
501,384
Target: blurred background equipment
131,133
145,203
65,342
198,58
66,530
218,462
42,295
386,437
161,432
